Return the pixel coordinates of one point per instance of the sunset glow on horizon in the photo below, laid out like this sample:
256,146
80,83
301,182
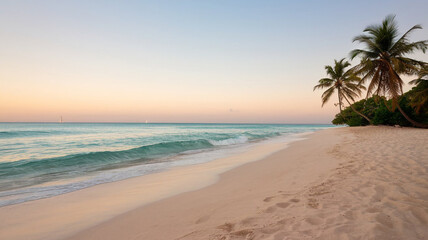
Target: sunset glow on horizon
177,61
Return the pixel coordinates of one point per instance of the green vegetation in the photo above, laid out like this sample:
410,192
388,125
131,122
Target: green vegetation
378,109
419,99
383,61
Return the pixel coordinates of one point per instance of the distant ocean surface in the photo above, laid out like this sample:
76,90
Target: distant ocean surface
39,160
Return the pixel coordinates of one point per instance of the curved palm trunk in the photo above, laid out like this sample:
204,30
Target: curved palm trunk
340,103
357,112
413,122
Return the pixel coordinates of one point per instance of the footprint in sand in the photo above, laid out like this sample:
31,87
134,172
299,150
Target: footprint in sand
270,209
384,220
248,221
268,199
314,220
350,215
202,219
283,204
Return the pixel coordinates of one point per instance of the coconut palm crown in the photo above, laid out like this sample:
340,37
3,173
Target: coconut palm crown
384,58
341,80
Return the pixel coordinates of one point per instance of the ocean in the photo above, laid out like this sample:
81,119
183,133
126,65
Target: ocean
40,160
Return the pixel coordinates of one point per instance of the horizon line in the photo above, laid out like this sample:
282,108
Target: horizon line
177,123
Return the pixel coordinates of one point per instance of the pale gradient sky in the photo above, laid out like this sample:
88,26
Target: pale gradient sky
180,61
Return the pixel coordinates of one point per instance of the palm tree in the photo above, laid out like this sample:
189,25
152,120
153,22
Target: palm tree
383,60
344,81
419,99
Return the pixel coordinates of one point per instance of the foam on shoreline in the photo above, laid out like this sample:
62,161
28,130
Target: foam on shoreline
87,207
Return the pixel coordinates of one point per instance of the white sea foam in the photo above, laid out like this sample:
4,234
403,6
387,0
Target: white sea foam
100,148
230,141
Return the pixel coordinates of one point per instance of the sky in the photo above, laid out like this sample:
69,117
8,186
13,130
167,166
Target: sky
180,60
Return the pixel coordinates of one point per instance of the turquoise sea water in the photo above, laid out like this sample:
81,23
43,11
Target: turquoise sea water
39,160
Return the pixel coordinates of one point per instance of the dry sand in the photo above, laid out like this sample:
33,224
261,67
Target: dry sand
346,183
343,183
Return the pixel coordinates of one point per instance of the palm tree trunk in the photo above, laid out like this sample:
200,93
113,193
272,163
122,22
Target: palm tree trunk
355,110
414,123
340,103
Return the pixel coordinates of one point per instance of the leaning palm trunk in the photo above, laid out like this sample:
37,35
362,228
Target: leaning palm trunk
413,122
357,112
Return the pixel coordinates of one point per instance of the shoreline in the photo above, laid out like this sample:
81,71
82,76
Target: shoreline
134,192
343,183
92,154
339,183
159,219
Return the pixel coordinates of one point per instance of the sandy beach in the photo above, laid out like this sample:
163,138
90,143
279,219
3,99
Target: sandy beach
341,183
213,120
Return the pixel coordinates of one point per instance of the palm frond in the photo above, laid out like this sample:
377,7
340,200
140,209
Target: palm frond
383,58
326,95
324,83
